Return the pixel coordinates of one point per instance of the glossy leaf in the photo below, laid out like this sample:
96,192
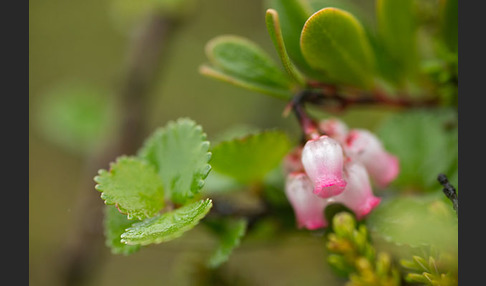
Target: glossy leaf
230,236
425,143
239,58
167,226
248,159
115,224
416,221
133,186
180,154
397,28
292,16
277,92
273,27
334,42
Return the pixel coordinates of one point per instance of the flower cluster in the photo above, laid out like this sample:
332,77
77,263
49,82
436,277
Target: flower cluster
337,167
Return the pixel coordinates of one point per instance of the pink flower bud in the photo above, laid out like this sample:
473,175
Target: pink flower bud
323,162
308,208
366,148
358,195
334,128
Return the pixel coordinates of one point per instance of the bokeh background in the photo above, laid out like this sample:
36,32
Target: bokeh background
81,43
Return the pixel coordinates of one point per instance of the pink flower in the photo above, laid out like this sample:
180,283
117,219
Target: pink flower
323,162
308,208
366,148
358,194
334,128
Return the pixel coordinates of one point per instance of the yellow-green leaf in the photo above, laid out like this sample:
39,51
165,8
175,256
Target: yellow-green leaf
334,42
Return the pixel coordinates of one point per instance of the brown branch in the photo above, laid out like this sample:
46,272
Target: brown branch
83,254
327,96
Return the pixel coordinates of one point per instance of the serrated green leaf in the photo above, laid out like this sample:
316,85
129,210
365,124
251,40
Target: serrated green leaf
333,41
241,59
133,186
250,158
292,16
416,221
167,226
180,154
424,145
115,224
76,116
397,28
230,236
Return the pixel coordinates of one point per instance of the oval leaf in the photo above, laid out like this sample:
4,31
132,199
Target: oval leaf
333,41
180,154
242,59
249,85
167,226
248,159
133,186
292,16
273,27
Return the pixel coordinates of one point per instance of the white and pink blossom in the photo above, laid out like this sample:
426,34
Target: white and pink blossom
358,194
322,159
334,128
365,147
308,208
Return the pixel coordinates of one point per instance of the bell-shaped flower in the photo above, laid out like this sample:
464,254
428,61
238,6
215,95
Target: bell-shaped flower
334,128
323,162
308,208
358,195
365,147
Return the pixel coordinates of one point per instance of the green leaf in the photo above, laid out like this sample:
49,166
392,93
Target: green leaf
449,23
167,226
333,41
248,159
76,116
133,186
241,59
276,92
292,16
115,224
179,151
425,146
416,221
273,27
397,28
230,236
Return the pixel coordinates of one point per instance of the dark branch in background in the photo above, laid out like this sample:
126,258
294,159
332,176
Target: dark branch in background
82,256
449,191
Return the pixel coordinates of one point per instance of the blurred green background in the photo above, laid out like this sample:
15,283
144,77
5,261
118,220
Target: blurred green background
80,42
